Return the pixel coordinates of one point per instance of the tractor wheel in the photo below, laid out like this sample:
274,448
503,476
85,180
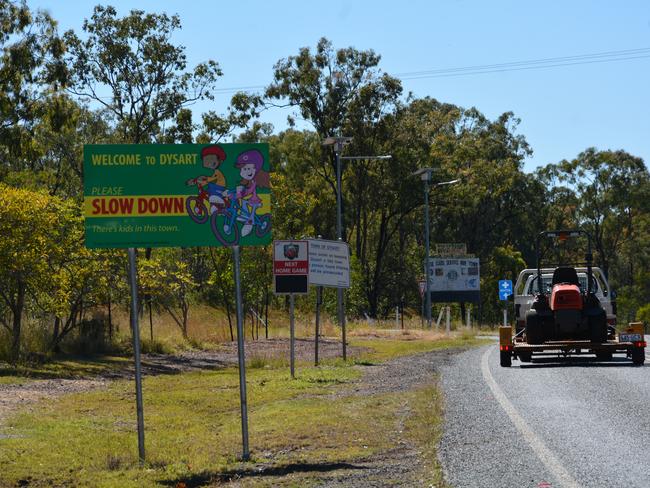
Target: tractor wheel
638,355
598,327
506,359
534,329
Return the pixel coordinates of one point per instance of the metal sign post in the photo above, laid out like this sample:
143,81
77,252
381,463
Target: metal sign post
241,357
505,292
292,338
135,330
319,300
448,325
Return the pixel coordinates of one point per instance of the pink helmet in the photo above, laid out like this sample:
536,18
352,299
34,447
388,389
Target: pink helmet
252,156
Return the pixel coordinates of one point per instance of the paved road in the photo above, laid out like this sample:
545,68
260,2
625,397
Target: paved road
553,424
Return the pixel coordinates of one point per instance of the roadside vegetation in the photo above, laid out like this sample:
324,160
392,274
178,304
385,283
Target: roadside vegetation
55,295
299,429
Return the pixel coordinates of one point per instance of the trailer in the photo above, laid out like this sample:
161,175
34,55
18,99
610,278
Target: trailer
567,316
629,342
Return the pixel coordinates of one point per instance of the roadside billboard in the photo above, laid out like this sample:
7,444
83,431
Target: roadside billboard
176,195
454,279
329,263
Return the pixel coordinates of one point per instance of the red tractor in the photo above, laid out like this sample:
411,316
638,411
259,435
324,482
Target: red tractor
565,311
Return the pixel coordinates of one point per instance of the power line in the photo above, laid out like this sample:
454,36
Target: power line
522,68
607,55
531,64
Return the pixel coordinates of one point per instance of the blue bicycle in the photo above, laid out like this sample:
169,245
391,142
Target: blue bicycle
225,226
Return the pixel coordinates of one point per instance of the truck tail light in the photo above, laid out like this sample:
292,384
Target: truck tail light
506,347
640,344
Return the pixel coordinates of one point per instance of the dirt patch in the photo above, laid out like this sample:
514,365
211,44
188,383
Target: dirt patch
17,396
22,396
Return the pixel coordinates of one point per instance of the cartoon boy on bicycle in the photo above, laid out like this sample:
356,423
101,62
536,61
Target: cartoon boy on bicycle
212,157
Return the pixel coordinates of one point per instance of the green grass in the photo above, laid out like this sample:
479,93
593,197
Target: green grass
424,428
383,350
193,431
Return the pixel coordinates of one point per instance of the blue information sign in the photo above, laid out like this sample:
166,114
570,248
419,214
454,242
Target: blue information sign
505,289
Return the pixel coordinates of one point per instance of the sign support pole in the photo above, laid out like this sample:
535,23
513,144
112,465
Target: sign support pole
505,316
319,299
135,330
448,325
292,338
241,356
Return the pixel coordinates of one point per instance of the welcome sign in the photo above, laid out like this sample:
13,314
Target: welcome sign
176,195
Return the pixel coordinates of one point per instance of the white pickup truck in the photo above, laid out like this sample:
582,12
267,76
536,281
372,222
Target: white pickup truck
526,287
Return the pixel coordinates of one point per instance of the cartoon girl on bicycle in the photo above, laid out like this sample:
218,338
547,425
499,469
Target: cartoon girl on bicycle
250,169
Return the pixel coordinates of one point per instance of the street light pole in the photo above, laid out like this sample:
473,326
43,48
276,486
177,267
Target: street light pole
427,271
425,175
338,143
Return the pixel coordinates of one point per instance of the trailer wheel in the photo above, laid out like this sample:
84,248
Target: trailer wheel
638,355
525,357
506,359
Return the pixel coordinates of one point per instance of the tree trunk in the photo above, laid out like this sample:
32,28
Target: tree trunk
150,322
232,336
110,319
17,322
266,312
55,335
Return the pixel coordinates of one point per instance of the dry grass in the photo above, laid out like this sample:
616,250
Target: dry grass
208,327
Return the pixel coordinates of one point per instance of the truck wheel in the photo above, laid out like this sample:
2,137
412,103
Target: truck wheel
506,359
638,355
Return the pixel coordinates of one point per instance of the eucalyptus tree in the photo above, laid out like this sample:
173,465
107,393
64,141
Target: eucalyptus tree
131,67
31,71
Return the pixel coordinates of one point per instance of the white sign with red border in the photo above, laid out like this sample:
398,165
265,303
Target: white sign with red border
291,267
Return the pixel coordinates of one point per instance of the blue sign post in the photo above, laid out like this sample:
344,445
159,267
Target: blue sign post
505,289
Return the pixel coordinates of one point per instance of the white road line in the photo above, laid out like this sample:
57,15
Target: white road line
549,460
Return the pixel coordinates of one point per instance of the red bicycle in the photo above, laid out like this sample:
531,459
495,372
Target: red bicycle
197,206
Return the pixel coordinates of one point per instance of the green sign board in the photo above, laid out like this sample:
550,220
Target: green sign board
177,195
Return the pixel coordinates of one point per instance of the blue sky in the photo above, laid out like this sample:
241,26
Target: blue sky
563,110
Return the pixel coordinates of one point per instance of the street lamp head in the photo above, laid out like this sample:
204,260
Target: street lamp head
423,173
451,182
330,141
